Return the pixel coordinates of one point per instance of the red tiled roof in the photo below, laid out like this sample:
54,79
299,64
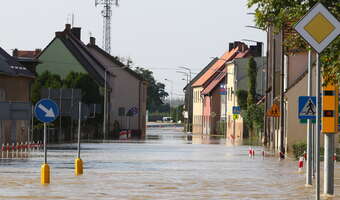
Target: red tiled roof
216,67
215,82
222,74
27,54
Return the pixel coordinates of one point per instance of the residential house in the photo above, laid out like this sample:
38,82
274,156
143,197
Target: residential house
128,91
291,84
237,79
67,53
202,116
15,84
188,90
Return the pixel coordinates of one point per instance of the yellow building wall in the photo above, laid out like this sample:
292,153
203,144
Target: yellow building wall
197,110
234,127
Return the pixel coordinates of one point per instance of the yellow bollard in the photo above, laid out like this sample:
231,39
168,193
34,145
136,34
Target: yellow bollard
45,174
78,167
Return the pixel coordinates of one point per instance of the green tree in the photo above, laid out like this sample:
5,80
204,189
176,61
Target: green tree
89,88
242,99
156,90
252,74
285,14
45,80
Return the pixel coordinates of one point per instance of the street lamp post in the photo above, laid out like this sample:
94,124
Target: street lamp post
172,83
187,99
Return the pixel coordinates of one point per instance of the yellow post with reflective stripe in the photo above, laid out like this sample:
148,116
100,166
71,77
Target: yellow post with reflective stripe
45,174
78,167
330,108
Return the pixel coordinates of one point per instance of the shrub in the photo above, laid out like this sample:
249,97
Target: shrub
299,149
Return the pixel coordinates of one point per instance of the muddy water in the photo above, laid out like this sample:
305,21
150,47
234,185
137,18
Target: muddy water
165,166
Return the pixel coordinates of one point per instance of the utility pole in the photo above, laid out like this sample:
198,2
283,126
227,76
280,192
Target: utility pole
107,14
171,82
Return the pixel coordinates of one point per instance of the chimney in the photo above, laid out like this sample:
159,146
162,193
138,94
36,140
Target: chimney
231,46
76,31
242,46
256,51
92,41
67,27
15,53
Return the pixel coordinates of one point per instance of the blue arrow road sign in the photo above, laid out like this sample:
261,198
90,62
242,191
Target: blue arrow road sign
236,110
307,107
46,110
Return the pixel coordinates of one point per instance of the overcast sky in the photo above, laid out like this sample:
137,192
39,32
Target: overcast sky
160,35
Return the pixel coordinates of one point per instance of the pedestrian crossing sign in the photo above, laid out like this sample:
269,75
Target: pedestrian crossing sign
307,107
274,111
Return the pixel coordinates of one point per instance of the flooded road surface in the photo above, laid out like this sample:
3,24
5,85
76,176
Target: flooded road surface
165,166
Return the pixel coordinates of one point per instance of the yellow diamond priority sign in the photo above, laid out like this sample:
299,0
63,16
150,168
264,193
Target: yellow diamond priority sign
318,27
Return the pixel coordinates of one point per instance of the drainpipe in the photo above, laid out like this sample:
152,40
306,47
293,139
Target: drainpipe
273,90
265,141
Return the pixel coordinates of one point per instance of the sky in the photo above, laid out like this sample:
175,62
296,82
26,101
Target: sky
160,35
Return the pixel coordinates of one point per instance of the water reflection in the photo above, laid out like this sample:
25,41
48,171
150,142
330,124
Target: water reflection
166,166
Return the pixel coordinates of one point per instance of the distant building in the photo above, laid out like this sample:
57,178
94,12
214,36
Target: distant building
188,90
15,84
209,109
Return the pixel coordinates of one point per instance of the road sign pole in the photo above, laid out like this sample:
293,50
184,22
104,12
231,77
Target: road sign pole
46,111
45,169
78,163
329,164
79,124
45,144
309,127
318,125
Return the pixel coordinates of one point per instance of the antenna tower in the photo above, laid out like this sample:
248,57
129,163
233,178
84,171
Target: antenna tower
107,14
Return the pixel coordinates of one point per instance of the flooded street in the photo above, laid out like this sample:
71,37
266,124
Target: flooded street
164,166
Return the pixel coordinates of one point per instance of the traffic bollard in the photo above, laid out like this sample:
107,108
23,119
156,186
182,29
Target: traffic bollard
250,152
300,163
78,166
45,174
2,150
7,150
17,148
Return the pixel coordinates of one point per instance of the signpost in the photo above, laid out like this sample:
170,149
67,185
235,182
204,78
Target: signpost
46,111
307,111
274,111
307,107
78,163
319,28
236,110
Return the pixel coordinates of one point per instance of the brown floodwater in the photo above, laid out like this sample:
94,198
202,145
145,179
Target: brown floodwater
166,166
